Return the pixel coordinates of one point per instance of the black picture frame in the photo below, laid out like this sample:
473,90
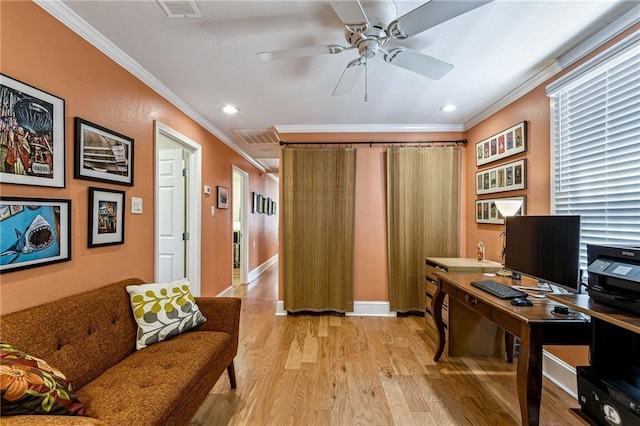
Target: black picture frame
35,232
106,217
222,197
102,155
34,118
505,177
255,202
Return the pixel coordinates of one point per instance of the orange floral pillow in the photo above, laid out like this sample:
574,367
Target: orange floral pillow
31,386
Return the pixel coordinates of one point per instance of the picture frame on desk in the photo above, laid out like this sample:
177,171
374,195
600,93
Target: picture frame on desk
503,178
487,212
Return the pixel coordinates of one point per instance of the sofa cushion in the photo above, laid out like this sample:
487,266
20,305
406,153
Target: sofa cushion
163,310
161,375
31,386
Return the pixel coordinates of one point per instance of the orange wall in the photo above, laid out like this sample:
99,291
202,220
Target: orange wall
52,58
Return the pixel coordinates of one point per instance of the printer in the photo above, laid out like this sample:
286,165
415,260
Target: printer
614,276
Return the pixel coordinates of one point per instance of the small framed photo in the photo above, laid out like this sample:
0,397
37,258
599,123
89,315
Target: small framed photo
34,232
255,203
106,217
32,135
102,154
273,207
260,203
223,197
487,212
502,145
502,178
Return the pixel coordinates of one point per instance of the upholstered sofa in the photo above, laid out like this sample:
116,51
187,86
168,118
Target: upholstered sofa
91,338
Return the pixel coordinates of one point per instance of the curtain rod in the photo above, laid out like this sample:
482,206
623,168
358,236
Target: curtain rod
416,143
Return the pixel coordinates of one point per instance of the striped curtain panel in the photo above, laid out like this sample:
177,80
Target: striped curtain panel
423,206
318,212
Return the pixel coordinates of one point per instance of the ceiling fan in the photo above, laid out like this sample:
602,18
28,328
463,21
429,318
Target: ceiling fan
367,29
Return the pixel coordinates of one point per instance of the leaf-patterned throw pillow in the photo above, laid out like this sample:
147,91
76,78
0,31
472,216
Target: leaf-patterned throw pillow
31,386
163,310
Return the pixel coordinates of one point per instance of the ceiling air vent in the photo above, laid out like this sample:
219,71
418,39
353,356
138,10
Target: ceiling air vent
181,8
258,137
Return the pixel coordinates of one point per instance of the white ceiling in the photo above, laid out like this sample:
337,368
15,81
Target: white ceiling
204,63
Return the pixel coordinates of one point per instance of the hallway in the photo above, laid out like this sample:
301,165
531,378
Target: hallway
335,370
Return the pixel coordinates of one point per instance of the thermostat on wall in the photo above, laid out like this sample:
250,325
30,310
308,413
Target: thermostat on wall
207,189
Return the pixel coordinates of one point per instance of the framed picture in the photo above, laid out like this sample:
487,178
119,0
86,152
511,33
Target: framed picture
35,232
268,206
255,202
102,154
106,217
506,177
273,207
486,211
31,135
223,197
504,144
260,203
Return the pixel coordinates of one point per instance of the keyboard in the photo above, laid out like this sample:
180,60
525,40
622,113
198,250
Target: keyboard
499,290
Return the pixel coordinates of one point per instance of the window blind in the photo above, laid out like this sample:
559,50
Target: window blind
595,126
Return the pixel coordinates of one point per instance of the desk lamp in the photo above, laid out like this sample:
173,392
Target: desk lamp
506,207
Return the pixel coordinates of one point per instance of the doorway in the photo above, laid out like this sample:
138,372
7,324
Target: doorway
240,209
177,207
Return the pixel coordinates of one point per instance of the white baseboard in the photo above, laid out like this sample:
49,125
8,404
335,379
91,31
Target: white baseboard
360,309
371,309
260,269
560,373
252,275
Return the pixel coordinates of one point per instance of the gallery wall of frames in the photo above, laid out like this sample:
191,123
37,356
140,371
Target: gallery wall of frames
504,177
37,231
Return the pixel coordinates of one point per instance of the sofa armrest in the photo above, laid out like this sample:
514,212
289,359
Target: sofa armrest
222,314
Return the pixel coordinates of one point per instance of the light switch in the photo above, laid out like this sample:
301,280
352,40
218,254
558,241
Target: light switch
213,211
136,205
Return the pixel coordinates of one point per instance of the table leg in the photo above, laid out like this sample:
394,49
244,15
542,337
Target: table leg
529,374
438,299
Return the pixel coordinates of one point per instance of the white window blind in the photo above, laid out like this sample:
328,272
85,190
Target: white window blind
595,132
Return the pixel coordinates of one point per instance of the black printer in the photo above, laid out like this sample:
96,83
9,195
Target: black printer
614,276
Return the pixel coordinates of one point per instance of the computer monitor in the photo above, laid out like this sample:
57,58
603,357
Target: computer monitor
546,248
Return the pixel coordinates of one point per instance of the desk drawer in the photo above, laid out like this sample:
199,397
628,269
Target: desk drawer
473,303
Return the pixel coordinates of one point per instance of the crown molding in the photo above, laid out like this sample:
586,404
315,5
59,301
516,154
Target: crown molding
69,18
368,128
622,23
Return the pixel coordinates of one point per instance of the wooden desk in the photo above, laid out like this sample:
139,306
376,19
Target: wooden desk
535,326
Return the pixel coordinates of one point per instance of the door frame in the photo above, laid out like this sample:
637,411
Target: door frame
192,200
244,226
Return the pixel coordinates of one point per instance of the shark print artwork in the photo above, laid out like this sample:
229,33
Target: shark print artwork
30,234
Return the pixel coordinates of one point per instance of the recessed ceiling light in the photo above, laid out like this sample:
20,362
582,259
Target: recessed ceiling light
230,109
448,108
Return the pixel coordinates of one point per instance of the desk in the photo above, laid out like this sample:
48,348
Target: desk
534,325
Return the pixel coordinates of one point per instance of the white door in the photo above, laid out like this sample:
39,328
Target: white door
171,219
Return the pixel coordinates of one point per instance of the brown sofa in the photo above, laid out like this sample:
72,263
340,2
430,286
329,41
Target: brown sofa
91,338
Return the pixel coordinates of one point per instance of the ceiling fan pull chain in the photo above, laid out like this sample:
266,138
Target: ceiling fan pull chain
366,79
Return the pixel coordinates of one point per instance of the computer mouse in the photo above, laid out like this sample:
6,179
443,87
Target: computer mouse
520,301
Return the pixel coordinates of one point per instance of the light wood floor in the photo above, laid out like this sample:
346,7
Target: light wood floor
334,370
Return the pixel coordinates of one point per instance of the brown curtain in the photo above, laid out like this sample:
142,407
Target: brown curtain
318,199
423,203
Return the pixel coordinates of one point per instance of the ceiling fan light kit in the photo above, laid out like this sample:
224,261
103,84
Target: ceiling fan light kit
357,18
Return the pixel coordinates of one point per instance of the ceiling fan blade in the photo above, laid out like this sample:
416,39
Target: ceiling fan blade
431,14
301,52
350,12
350,77
417,62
